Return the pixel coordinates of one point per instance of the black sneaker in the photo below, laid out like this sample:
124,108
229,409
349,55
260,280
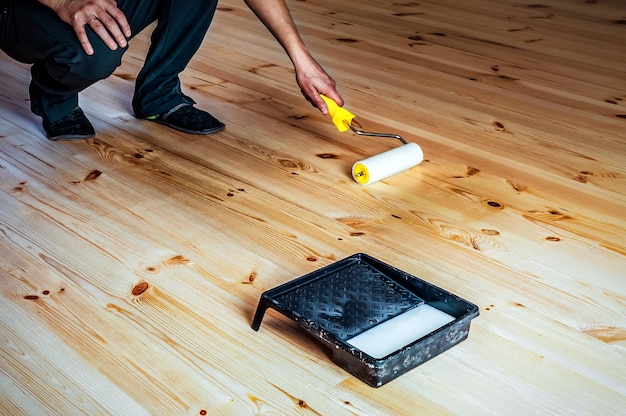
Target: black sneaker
74,126
189,119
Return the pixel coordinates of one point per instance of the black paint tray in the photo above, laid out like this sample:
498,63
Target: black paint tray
353,295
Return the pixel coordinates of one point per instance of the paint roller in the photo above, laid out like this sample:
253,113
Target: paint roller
380,166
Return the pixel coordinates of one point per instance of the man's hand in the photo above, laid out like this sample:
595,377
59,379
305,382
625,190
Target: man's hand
103,16
313,81
311,77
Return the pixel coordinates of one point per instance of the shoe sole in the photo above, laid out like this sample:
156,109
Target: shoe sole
216,129
71,137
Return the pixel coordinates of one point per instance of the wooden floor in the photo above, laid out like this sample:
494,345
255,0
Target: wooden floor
132,263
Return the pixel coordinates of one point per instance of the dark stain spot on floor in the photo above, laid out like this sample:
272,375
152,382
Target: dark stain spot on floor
94,174
408,14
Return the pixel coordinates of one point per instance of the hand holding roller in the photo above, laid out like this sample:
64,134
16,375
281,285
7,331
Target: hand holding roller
380,166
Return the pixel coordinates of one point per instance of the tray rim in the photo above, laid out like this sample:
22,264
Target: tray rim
328,337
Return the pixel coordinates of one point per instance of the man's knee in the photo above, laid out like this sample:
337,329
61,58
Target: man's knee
98,66
79,70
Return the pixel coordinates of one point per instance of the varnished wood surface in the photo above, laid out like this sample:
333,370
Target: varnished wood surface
132,263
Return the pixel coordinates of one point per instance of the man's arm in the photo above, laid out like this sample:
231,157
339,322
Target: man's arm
311,77
103,16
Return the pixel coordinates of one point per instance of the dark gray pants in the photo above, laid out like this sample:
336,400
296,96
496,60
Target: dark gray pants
32,33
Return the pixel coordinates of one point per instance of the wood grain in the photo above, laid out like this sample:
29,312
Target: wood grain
132,263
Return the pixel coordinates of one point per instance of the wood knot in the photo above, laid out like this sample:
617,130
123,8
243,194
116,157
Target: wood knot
140,288
487,231
326,156
94,174
178,260
251,278
494,204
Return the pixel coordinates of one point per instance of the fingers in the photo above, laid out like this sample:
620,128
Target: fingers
332,94
313,81
335,96
325,86
117,25
83,39
317,101
105,19
110,30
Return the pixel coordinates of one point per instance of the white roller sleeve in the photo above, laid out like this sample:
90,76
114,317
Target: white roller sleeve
400,331
387,164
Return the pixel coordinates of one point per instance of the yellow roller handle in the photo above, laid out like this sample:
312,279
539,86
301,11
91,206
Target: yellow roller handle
341,117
